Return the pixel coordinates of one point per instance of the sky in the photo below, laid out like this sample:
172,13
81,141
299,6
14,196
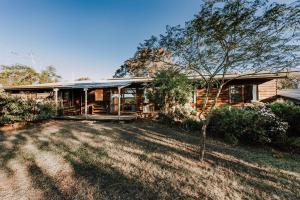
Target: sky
83,37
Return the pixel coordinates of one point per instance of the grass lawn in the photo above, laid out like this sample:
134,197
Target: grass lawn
138,160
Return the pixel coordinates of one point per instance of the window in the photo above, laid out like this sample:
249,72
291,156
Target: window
243,93
236,93
129,99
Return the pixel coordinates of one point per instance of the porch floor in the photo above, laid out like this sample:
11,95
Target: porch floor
100,117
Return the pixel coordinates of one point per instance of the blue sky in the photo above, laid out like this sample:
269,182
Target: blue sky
83,38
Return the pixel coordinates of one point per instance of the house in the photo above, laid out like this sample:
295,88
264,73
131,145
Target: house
127,95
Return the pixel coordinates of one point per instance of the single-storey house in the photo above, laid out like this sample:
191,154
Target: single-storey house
127,95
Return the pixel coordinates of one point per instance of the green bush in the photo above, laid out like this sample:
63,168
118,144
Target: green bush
14,109
293,144
250,125
191,124
290,113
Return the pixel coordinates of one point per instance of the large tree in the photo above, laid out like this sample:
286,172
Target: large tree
232,36
144,63
49,75
18,75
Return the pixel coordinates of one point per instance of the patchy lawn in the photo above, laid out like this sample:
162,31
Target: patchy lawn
93,160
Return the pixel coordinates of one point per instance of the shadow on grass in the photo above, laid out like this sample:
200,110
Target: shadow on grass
251,168
45,183
152,138
109,182
9,148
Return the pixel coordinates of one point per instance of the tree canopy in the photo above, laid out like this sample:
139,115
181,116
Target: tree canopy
145,63
234,37
15,75
49,75
18,75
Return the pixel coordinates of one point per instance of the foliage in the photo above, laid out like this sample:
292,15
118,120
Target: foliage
143,63
288,83
18,75
293,144
251,125
83,78
49,75
290,113
171,91
13,109
191,124
15,75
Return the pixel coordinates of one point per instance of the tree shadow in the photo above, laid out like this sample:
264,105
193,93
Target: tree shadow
9,149
109,182
45,183
135,136
243,164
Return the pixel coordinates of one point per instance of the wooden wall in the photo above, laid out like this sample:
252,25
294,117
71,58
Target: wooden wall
267,90
32,95
222,100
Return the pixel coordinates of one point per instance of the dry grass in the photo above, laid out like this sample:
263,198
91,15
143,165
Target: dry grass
93,160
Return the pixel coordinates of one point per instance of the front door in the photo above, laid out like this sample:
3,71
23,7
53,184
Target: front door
114,98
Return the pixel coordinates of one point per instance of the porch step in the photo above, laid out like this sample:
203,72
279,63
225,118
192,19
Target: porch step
71,111
98,109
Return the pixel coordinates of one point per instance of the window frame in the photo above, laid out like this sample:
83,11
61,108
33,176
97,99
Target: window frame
241,100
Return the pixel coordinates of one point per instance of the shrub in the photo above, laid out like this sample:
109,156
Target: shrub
45,110
171,91
251,125
293,144
290,113
191,124
14,109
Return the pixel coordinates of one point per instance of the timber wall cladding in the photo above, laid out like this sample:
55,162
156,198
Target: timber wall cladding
267,89
223,98
33,95
99,95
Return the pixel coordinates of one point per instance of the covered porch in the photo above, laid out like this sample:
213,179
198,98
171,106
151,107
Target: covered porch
121,100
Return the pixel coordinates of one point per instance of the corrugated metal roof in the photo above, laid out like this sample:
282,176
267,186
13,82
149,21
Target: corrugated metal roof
115,82
290,93
80,84
97,85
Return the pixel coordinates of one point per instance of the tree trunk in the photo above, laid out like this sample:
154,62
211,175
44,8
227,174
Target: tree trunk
205,101
203,140
203,132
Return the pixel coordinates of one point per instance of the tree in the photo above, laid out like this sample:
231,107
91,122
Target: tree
170,89
232,36
83,78
144,63
291,82
18,75
49,75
